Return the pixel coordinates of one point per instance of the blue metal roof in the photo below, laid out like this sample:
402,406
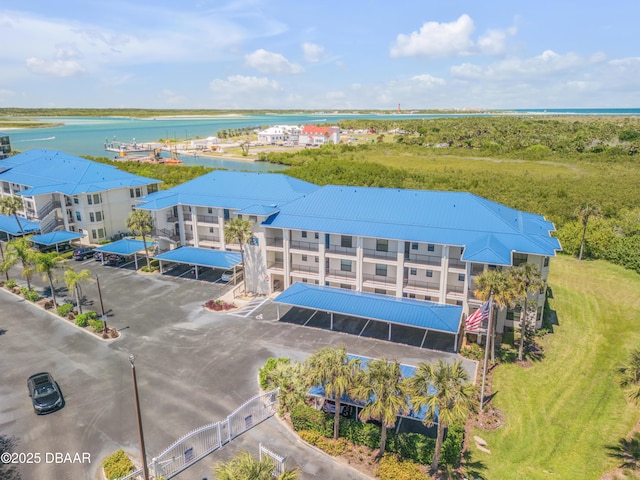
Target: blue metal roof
232,190
125,246
58,236
406,371
203,257
50,171
489,231
8,224
399,311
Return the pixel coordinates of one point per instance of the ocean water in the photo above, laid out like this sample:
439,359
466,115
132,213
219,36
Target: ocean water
87,135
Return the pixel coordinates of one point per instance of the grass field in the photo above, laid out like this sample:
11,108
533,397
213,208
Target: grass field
563,412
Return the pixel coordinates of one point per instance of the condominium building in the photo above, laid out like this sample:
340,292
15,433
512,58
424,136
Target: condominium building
5,146
417,244
60,191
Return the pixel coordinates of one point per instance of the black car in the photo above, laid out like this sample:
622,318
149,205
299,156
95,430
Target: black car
83,253
44,392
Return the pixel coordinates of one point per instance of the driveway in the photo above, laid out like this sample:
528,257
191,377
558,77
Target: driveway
193,366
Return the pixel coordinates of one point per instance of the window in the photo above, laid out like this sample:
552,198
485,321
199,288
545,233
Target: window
209,210
545,263
78,216
346,241
152,188
131,193
253,218
316,235
459,303
461,277
99,216
304,258
93,234
138,192
520,258
431,247
316,259
429,273
304,234
414,245
101,233
381,270
413,271
412,295
92,217
210,229
492,267
89,201
304,280
345,265
380,291
382,245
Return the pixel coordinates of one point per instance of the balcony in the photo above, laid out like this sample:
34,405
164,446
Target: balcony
306,246
457,264
207,219
172,218
431,287
377,254
340,274
432,260
297,268
274,242
350,251
455,290
373,280
209,238
275,265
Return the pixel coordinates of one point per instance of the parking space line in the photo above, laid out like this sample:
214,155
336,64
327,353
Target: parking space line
363,328
314,314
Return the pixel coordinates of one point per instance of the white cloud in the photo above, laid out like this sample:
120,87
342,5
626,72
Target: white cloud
429,81
237,84
453,39
312,52
269,62
55,68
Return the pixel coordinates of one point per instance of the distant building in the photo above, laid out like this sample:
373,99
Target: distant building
314,135
5,146
279,133
60,191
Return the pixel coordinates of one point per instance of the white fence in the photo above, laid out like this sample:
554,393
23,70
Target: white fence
278,460
199,443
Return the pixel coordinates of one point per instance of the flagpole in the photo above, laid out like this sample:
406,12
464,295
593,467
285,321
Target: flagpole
486,352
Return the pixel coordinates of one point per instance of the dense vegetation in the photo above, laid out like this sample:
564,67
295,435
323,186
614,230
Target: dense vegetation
545,166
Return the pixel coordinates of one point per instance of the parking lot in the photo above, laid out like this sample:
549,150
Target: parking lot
194,367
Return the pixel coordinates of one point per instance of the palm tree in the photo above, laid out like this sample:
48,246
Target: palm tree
245,466
239,231
289,377
140,222
10,206
629,376
444,391
496,285
384,392
21,250
525,279
3,268
73,280
47,264
332,368
584,212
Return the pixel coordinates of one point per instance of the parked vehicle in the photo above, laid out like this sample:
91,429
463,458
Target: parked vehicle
44,392
228,275
114,260
329,406
83,253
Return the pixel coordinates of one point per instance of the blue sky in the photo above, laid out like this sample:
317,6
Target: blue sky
354,54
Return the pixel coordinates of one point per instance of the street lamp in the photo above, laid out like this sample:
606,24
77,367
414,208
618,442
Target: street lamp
145,470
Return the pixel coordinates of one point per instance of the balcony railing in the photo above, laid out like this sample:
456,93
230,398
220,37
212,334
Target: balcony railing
379,279
208,238
455,289
275,265
172,218
48,208
274,241
456,263
340,274
304,269
170,234
207,219
373,253
424,259
433,286
308,246
341,250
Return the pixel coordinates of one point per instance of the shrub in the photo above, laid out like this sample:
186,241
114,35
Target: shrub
332,447
367,434
219,305
23,290
268,367
452,445
412,446
391,468
31,295
304,417
117,465
309,436
96,325
83,319
154,263
472,351
64,309
10,284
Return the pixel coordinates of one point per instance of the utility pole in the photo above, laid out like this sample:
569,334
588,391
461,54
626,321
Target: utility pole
145,470
102,314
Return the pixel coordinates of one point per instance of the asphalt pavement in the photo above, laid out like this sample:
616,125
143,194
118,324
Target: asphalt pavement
193,366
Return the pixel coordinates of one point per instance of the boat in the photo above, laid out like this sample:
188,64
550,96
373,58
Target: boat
130,147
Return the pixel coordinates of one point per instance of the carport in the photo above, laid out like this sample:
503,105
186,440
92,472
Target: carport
126,247
56,239
9,226
201,257
375,307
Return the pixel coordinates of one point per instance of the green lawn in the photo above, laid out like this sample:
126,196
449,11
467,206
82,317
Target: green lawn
562,413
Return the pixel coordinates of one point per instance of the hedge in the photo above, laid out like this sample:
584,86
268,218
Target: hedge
117,465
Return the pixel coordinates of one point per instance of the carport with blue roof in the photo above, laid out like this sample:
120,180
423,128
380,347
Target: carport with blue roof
126,247
201,257
393,311
60,239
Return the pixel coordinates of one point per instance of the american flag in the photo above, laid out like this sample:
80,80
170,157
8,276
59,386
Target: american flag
476,318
